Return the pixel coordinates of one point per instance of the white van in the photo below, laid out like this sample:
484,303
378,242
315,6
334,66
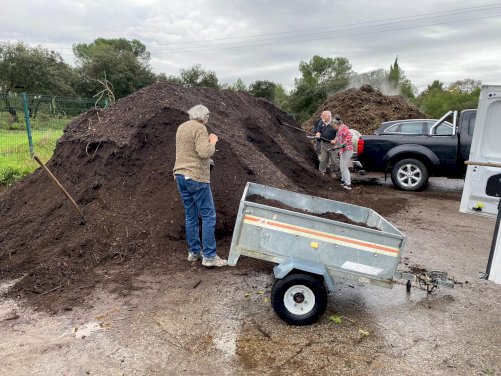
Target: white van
482,188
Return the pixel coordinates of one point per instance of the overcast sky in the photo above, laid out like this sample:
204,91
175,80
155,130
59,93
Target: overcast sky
256,39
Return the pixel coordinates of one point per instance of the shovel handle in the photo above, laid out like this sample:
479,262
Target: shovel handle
56,182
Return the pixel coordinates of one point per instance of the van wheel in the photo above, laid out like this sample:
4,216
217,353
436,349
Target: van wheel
409,175
299,299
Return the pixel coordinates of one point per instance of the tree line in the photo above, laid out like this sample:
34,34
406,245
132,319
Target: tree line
122,66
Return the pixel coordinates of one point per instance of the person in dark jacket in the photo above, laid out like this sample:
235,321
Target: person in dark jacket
316,127
326,135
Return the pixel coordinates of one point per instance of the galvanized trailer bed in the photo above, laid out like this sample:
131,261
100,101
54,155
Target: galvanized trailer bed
311,250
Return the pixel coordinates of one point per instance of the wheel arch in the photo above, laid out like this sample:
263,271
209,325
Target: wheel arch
418,152
295,265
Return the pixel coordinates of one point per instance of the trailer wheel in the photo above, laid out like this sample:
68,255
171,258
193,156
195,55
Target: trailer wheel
299,299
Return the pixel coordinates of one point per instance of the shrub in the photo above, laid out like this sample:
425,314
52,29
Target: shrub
11,174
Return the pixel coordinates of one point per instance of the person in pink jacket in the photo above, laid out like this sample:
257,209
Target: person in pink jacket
344,139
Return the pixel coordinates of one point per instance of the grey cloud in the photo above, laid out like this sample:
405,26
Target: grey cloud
448,52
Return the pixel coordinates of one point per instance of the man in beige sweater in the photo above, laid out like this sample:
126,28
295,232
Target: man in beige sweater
194,147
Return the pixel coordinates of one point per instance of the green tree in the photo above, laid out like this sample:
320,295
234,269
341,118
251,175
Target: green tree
170,79
281,98
197,76
332,73
263,89
436,85
437,100
466,86
35,70
399,81
238,85
320,77
125,63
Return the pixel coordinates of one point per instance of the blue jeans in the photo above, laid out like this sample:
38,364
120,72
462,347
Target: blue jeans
197,200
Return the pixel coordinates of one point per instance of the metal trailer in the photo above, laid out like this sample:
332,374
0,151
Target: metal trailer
311,250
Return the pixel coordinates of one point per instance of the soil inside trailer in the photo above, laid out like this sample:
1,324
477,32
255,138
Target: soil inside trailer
327,215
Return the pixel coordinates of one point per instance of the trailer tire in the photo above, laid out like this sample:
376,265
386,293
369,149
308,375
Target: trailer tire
299,299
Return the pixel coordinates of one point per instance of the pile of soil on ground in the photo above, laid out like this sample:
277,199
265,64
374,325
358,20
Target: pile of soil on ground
366,108
327,215
117,164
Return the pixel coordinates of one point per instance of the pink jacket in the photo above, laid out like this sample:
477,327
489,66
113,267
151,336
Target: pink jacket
344,137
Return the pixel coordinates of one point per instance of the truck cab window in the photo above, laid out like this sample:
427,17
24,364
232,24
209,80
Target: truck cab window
471,123
444,129
415,127
393,129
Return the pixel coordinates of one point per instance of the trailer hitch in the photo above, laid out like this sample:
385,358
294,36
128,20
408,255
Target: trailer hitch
428,281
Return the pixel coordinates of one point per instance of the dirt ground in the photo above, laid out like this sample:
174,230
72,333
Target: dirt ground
220,322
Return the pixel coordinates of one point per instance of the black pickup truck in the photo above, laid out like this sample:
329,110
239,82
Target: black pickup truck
412,157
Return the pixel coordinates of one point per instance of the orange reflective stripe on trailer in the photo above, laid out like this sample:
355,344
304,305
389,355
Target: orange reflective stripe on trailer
324,236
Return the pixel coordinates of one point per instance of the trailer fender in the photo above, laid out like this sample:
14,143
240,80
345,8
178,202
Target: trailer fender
294,263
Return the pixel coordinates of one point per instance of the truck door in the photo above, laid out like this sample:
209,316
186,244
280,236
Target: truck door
482,188
466,127
443,141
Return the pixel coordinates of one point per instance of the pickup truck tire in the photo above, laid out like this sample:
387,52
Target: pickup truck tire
299,299
409,175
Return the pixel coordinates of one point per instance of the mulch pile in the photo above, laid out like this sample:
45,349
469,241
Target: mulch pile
117,164
366,108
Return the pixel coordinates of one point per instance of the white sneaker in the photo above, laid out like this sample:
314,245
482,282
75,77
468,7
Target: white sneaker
214,261
194,256
348,187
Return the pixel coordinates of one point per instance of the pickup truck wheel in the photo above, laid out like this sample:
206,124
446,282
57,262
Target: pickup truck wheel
409,175
299,299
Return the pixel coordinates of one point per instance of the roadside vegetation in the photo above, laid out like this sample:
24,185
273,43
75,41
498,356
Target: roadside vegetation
15,158
124,66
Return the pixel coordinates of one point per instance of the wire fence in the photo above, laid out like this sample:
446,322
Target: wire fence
38,120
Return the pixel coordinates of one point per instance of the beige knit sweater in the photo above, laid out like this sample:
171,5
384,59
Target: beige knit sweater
193,151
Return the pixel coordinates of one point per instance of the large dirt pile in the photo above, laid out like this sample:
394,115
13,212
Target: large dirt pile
366,108
117,164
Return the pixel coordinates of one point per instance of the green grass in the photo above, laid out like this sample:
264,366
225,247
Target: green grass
41,122
15,159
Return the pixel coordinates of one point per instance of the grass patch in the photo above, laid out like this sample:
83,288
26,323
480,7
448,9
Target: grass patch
15,158
40,122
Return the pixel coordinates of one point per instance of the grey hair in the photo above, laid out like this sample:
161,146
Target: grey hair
198,112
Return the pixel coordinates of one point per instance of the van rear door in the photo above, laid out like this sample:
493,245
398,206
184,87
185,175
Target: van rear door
482,187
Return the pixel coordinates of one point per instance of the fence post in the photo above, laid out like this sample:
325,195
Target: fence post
28,124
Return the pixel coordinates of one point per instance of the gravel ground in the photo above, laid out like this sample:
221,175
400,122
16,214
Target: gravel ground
222,322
